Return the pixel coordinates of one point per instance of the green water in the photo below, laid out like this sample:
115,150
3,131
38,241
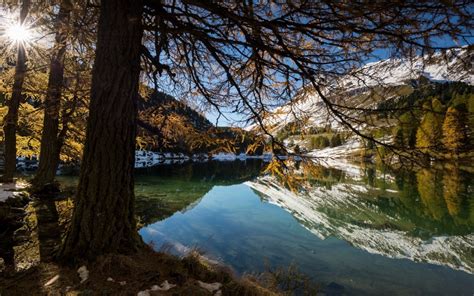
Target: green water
406,233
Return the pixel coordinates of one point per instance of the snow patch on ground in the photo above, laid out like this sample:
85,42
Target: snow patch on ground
83,273
10,190
336,157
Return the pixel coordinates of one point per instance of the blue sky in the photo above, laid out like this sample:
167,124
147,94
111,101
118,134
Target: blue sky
234,119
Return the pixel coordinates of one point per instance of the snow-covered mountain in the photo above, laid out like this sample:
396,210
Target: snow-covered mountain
383,77
453,65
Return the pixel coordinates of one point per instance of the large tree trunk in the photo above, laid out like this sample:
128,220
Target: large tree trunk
50,144
11,118
103,220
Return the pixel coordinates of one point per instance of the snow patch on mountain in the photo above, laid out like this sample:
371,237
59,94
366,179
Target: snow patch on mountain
308,107
454,65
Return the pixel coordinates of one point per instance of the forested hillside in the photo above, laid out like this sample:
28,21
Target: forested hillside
440,119
167,124
434,119
164,124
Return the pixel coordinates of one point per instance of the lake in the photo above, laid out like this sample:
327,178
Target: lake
362,230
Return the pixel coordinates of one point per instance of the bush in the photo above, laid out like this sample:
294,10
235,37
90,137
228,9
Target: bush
336,140
319,142
297,149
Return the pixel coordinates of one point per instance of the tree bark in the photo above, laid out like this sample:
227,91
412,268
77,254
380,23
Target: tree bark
50,143
11,118
103,220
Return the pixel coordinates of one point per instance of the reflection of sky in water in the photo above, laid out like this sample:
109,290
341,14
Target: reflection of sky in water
232,224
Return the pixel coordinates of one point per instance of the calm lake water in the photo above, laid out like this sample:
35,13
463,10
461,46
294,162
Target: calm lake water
376,233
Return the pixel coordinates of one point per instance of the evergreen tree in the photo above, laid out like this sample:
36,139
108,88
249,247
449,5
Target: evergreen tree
50,144
319,142
11,118
398,136
455,132
409,126
427,135
104,218
336,140
297,149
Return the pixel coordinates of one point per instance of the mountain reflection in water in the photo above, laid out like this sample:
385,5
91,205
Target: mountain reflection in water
366,230
426,216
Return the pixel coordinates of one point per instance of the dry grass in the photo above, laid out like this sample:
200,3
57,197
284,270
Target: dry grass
139,272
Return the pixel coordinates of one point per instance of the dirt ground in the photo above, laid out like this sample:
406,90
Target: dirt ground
128,275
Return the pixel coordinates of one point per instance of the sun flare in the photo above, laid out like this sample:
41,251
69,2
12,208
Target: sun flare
18,33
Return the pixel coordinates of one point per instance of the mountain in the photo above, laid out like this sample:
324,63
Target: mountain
452,65
159,104
166,124
367,87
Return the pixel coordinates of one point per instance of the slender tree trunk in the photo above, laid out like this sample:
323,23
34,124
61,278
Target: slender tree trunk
50,144
11,118
49,233
103,219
